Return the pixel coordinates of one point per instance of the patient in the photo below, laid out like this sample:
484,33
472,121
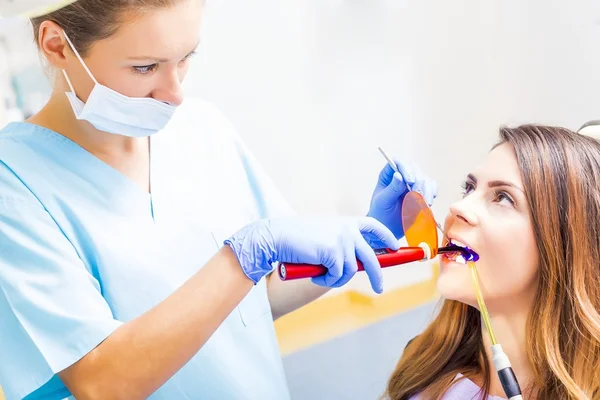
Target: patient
532,213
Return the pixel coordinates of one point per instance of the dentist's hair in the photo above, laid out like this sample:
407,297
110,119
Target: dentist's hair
88,21
560,170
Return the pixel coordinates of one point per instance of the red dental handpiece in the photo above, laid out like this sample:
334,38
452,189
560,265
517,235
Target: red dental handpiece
386,258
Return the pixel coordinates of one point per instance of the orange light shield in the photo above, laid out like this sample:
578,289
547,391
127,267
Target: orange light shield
419,223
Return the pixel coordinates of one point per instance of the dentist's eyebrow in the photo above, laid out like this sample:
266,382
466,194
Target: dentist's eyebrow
159,59
144,58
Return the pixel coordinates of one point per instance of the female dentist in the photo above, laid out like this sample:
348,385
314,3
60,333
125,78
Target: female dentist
137,235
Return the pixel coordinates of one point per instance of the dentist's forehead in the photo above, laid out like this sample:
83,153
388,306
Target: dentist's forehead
164,32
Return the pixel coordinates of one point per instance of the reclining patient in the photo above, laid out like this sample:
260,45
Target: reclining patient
532,213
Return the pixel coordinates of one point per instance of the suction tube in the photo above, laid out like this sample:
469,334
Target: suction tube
500,359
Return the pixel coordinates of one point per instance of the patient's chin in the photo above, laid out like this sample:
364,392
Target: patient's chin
456,288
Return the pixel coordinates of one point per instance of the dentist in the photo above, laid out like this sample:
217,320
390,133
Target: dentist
137,234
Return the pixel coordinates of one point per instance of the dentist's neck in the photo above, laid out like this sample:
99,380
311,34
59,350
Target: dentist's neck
510,329
58,116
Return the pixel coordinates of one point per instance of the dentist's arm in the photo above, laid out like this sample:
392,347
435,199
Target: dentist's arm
141,355
288,296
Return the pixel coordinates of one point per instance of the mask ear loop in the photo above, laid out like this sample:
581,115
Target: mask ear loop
82,63
69,82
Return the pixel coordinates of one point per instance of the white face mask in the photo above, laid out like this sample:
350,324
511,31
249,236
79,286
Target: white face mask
115,113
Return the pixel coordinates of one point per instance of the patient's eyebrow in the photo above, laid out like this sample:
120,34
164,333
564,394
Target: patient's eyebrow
496,183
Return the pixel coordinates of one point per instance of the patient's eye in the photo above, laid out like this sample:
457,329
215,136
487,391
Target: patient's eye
467,187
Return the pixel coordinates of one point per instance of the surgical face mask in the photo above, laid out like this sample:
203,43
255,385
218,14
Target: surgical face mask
115,113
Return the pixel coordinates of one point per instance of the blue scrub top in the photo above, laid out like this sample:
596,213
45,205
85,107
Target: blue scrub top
83,250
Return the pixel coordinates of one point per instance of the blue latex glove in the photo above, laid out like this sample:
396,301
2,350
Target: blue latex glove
334,242
386,203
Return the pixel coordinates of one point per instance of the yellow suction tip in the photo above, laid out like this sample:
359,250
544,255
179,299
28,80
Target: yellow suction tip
481,302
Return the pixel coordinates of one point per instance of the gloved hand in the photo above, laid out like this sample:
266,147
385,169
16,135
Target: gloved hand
386,203
333,242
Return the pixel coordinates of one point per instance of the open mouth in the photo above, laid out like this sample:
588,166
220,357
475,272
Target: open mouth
463,253
456,257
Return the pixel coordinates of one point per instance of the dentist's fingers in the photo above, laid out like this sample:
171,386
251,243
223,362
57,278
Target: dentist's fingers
335,269
377,230
392,193
350,265
429,195
371,265
419,185
386,175
407,171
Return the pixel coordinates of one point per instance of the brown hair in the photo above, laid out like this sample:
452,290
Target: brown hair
87,21
561,176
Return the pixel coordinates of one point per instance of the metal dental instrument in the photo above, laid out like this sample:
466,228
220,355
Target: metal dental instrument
395,168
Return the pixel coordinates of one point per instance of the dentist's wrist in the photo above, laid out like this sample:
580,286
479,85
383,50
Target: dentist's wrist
254,250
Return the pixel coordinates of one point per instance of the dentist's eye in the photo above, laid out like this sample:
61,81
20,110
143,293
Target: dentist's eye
186,58
501,196
146,69
467,187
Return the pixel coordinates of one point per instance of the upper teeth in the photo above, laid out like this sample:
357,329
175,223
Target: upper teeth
457,243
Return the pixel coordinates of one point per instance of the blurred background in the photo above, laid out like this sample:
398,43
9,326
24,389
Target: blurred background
314,86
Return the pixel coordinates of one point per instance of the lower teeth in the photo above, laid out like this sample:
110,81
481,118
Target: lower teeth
458,258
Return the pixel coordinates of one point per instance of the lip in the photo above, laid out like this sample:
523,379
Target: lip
453,239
